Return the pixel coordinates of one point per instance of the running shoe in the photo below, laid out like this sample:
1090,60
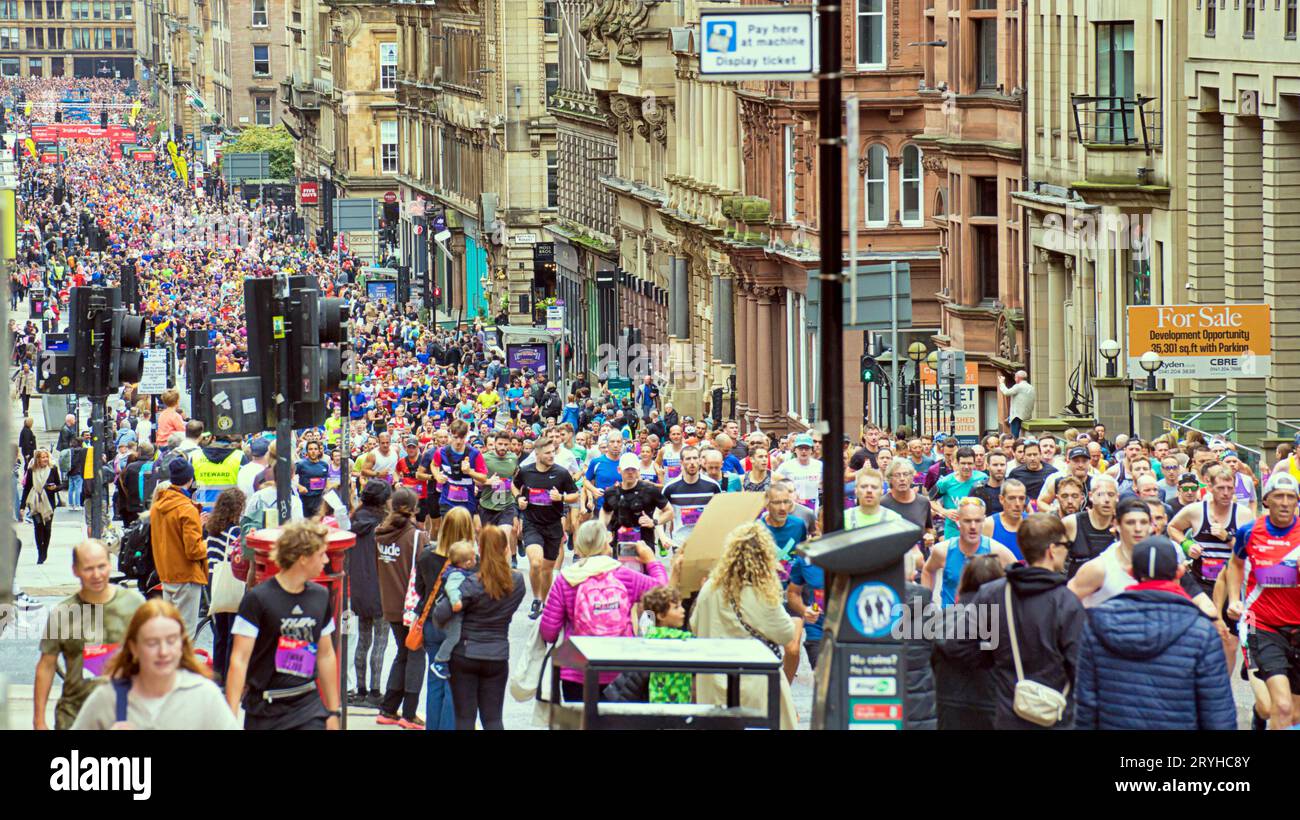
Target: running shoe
388,719
441,671
375,700
358,699
416,722
535,612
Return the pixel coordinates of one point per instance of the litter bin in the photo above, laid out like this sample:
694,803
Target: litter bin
718,656
861,679
262,542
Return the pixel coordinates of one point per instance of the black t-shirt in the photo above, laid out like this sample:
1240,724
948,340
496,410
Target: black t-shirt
861,457
287,630
917,511
625,507
991,496
536,485
1032,479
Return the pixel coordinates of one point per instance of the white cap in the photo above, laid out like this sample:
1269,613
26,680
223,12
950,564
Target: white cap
1281,481
629,461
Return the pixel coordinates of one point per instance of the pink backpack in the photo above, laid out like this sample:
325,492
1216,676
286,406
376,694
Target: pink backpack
602,607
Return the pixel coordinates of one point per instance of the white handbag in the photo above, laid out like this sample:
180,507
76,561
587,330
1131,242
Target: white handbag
1035,702
530,675
227,590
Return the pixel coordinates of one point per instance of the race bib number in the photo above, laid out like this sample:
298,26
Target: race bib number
95,657
690,515
295,657
811,503
1281,575
316,484
672,470
505,486
539,496
420,488
458,493
1211,567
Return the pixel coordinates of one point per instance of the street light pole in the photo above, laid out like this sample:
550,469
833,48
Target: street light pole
830,216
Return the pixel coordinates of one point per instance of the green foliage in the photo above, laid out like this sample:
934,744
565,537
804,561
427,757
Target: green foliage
275,140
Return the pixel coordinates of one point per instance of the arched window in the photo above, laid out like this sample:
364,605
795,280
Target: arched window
909,183
877,186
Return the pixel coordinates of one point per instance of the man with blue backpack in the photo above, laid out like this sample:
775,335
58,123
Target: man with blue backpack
459,469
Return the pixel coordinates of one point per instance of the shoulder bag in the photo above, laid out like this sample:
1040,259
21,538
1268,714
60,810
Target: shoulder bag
1035,702
415,635
770,644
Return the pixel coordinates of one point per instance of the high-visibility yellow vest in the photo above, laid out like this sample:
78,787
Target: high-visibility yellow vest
211,478
333,428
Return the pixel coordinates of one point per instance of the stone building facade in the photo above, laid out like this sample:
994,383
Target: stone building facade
972,145
1106,204
1242,83
478,145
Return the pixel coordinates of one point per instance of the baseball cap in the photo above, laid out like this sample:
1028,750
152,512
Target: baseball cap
628,461
803,440
1228,453
690,430
1189,478
1078,452
1281,481
1155,559
259,447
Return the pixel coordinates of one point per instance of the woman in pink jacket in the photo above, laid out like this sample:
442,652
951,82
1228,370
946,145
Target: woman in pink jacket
595,596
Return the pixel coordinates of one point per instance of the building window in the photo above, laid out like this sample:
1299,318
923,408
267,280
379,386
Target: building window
986,260
9,39
460,58
9,10
552,81
551,17
1248,21
10,67
1115,115
910,184
125,38
986,196
261,60
80,9
36,66
986,53
388,146
1291,19
262,110
791,175
259,14
387,66
871,33
1211,18
122,9
877,186
552,179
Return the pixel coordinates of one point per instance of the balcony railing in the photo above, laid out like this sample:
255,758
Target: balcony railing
1117,121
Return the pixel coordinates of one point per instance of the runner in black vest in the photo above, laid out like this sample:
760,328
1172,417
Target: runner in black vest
1088,540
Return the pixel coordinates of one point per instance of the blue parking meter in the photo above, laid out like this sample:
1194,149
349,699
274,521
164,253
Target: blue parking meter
861,677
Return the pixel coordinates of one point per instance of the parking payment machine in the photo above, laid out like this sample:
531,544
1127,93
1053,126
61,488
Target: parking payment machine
861,679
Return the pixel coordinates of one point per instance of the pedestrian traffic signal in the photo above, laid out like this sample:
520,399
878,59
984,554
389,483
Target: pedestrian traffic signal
437,296
868,369
126,360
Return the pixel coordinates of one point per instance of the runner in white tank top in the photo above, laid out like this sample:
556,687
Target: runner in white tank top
1116,581
385,465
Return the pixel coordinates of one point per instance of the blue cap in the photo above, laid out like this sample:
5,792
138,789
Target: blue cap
803,440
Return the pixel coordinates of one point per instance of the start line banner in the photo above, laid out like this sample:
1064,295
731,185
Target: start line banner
80,131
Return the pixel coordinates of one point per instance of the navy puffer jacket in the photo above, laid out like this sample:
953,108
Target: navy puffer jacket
1151,659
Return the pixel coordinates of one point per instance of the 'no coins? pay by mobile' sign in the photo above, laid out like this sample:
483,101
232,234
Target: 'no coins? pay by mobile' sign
756,43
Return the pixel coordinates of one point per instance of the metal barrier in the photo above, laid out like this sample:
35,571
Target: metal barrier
1252,457
718,656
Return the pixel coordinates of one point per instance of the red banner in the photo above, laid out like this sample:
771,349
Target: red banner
81,131
144,156
45,133
309,193
49,158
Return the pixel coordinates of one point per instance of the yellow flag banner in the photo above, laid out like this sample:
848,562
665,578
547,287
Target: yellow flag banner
27,109
135,112
182,170
89,471
31,147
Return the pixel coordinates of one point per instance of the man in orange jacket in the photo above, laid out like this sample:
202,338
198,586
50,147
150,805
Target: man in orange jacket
176,534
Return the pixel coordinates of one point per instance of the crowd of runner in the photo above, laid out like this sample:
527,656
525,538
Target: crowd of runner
1168,560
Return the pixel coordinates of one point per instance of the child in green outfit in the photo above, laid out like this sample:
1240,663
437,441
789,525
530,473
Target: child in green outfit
670,616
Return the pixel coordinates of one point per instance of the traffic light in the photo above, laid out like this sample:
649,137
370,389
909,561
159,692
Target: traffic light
58,115
437,296
403,284
869,366
103,118
126,360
